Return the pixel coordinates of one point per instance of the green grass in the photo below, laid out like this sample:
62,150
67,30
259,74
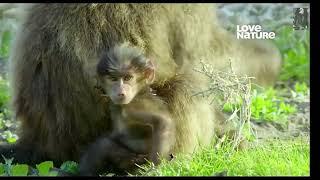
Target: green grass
274,158
277,158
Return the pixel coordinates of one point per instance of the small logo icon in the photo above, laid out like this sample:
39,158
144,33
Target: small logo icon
300,18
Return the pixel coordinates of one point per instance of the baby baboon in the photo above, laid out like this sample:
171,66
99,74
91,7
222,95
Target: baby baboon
56,51
141,120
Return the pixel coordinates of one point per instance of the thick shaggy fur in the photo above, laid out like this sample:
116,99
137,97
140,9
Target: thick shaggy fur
53,71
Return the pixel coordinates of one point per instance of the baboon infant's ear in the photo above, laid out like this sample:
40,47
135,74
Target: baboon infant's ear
150,72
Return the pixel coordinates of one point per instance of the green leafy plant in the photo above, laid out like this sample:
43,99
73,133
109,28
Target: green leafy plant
294,46
7,166
2,170
70,167
44,169
8,169
295,66
301,88
9,136
20,170
266,106
4,93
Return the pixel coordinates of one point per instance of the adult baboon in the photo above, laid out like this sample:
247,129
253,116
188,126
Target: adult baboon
58,47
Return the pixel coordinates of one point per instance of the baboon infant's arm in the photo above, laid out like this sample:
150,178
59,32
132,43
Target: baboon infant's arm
162,132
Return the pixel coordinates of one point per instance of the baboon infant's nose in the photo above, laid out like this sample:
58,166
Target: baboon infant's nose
121,94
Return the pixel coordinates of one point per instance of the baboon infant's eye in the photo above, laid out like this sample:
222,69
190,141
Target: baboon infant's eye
113,78
127,77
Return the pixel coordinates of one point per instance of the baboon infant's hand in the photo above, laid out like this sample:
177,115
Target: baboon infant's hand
130,162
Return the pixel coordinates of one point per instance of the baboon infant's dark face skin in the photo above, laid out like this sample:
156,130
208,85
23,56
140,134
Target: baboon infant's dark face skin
123,72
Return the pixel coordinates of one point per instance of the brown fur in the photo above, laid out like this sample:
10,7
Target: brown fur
109,153
141,121
58,47
149,132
